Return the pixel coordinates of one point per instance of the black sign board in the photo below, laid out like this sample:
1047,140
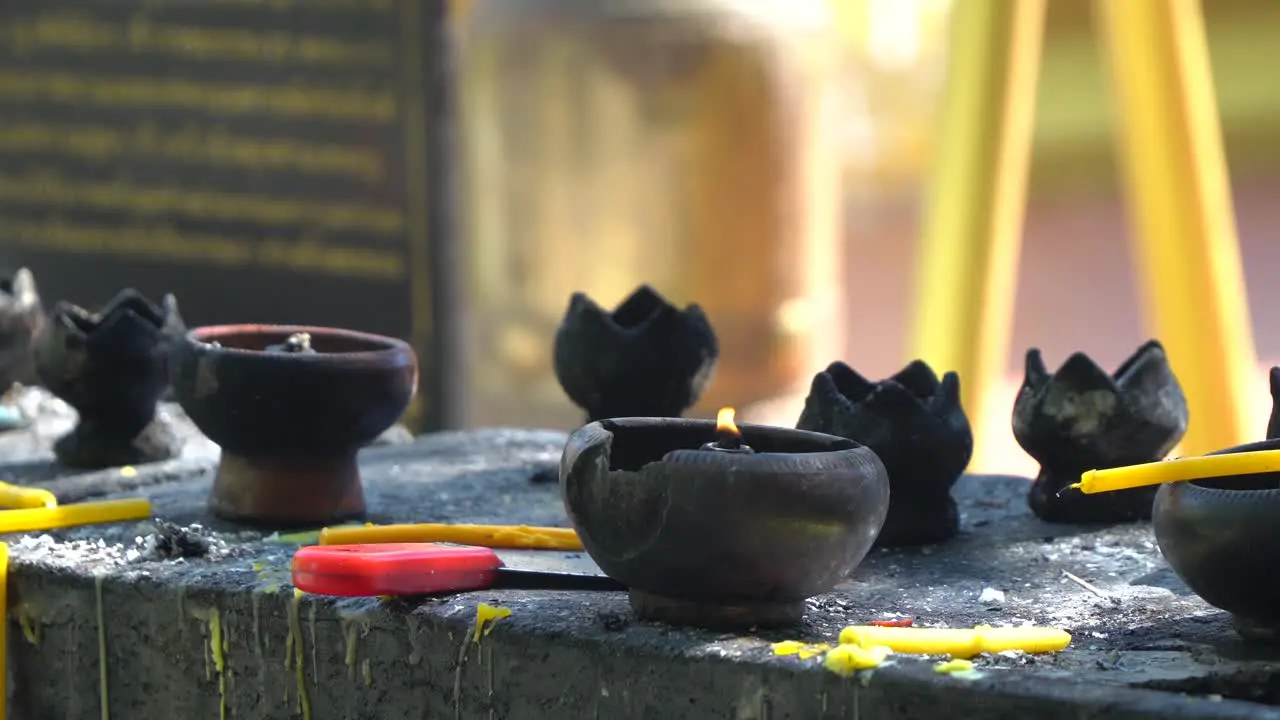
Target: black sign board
279,161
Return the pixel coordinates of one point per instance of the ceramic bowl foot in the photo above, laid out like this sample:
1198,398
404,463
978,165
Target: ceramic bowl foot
282,491
1261,632
679,611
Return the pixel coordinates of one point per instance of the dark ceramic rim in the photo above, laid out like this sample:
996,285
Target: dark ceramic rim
830,444
1193,486
386,349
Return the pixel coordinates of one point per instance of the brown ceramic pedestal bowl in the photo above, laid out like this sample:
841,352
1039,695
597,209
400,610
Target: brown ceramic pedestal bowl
717,539
1222,537
290,423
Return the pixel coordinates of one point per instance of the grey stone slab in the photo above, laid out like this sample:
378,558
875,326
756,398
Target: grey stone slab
97,621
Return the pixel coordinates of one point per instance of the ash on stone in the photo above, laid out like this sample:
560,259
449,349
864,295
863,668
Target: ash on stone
613,621
174,541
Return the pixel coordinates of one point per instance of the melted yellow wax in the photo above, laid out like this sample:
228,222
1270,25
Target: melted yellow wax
486,616
103,699
29,623
294,652
954,665
217,650
847,659
804,651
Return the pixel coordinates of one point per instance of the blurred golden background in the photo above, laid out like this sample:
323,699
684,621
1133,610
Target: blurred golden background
1076,290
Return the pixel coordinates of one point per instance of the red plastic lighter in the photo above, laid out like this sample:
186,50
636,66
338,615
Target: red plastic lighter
422,569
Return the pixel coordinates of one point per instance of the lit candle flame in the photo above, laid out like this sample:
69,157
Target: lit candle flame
725,426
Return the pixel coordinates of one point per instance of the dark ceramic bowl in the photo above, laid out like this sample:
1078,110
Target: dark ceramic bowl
1222,537
646,357
290,424
717,539
915,424
112,367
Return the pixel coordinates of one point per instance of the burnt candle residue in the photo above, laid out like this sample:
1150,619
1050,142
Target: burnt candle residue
296,343
728,436
729,442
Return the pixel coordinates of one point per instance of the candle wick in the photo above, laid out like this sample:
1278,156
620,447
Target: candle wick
729,441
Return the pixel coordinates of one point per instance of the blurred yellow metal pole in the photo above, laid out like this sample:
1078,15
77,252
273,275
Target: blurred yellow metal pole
968,254
1180,198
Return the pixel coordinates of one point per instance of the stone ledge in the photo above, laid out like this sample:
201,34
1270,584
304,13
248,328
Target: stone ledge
581,655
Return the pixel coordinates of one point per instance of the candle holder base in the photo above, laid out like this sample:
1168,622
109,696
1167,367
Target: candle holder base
1052,500
715,615
913,522
95,443
1261,632
287,492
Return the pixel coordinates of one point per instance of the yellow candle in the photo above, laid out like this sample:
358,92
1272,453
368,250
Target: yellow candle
1166,471
492,536
956,642
89,513
17,496
4,628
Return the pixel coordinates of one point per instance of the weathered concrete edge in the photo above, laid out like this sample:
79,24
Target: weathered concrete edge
374,659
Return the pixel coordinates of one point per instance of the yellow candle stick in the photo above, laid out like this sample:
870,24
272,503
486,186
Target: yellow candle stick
961,643
17,496
90,513
1184,227
4,629
1179,470
967,273
492,536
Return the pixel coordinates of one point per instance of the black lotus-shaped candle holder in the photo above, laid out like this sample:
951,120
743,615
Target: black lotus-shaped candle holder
21,320
916,426
1080,418
290,407
735,533
647,358
1221,536
112,367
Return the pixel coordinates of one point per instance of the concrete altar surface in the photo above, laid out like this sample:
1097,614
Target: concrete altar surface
101,625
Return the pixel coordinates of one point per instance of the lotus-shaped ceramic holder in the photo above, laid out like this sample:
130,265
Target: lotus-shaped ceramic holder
1222,537
290,407
914,423
112,367
716,538
1080,418
647,358
21,320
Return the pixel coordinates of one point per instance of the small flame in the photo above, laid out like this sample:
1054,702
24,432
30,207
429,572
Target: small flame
725,426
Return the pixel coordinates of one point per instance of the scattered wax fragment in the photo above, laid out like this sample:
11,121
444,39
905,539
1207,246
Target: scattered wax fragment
804,651
957,668
486,616
845,660
953,665
128,471
897,622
